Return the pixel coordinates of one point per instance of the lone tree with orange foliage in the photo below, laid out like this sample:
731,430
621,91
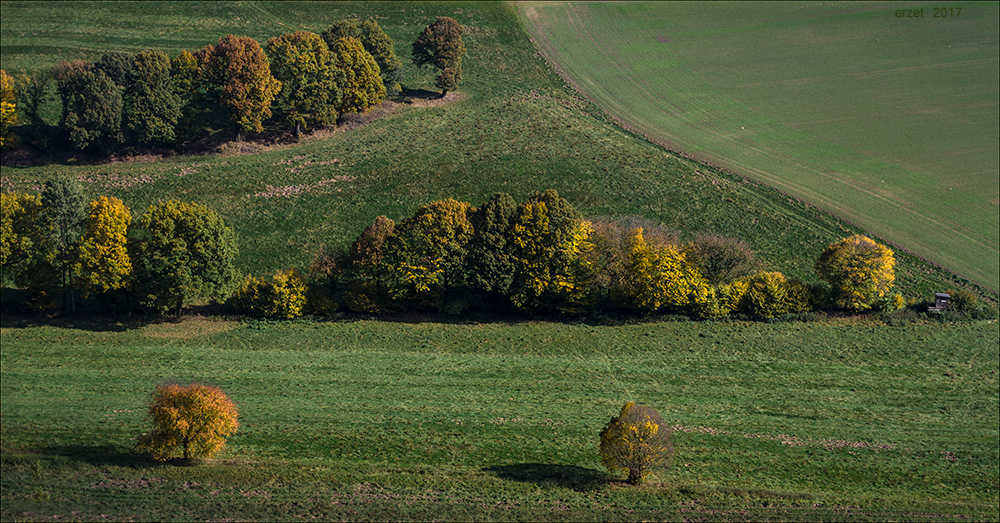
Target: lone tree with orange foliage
860,271
637,440
194,419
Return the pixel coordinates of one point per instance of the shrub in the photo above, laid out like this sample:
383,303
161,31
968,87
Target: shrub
766,295
799,298
962,300
662,278
282,297
721,259
194,419
636,441
859,271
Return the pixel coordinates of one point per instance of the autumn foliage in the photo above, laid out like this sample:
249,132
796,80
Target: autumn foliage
282,297
636,441
102,261
859,270
193,420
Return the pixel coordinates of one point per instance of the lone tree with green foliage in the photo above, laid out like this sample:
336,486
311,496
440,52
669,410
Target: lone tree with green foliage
636,441
377,43
239,70
440,45
184,252
310,91
194,420
859,271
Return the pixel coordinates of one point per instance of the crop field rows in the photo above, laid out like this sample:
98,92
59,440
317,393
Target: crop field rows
891,126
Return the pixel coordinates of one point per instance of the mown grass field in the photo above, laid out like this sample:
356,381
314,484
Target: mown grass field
498,421
890,123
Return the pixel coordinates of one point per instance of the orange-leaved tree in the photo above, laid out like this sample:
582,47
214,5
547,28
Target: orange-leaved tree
636,441
238,67
194,419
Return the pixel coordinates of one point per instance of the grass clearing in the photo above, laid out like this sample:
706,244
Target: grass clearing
363,419
891,124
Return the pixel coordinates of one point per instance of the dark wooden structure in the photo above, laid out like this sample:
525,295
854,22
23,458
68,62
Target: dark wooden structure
941,301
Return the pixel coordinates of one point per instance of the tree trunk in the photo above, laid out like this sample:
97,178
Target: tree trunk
239,135
298,131
443,93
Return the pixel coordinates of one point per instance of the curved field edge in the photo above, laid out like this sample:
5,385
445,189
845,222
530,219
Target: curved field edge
675,73
499,421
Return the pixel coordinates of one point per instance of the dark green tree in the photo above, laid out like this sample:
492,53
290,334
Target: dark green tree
117,65
184,252
32,92
377,43
364,279
440,45
64,208
310,91
152,108
92,106
490,261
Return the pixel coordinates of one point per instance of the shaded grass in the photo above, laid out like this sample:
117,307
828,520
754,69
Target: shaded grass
364,419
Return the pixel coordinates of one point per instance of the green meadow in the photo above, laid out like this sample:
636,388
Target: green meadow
484,418
890,123
363,420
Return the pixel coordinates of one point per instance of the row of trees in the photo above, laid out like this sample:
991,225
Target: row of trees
60,247
303,79
539,256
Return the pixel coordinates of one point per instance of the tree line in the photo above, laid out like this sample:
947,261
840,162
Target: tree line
539,256
146,99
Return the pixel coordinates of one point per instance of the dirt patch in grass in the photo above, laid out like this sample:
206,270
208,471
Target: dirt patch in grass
188,328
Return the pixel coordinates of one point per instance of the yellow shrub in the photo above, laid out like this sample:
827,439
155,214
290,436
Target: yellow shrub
662,278
282,297
194,419
636,441
766,295
860,271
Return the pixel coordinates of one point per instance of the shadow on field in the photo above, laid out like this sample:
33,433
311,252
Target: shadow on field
99,456
566,476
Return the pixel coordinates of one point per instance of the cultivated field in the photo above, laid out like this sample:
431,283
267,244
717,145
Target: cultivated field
890,123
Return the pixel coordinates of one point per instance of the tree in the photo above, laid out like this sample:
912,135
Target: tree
766,295
33,91
309,79
238,68
362,86
64,208
92,106
184,252
440,45
152,108
195,419
859,271
636,441
377,43
427,251
365,275
117,65
550,245
185,73
20,227
720,259
612,282
102,260
8,110
490,262
662,278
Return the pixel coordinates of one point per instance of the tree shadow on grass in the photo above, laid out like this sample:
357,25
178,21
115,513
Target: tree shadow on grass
100,456
566,476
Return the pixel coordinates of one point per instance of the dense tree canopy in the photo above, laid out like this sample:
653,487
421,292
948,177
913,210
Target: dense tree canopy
8,109
440,45
92,106
185,252
377,43
362,86
238,68
859,270
490,261
152,107
310,80
102,261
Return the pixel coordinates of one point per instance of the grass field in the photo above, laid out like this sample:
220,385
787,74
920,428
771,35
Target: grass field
498,421
890,123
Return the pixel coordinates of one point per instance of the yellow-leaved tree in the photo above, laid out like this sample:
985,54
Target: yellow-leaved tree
636,441
8,110
194,419
859,270
282,297
102,261
19,230
662,278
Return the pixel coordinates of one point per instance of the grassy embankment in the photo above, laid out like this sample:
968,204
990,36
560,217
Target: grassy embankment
890,123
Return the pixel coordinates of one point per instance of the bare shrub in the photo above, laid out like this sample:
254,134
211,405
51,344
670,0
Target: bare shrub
721,259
